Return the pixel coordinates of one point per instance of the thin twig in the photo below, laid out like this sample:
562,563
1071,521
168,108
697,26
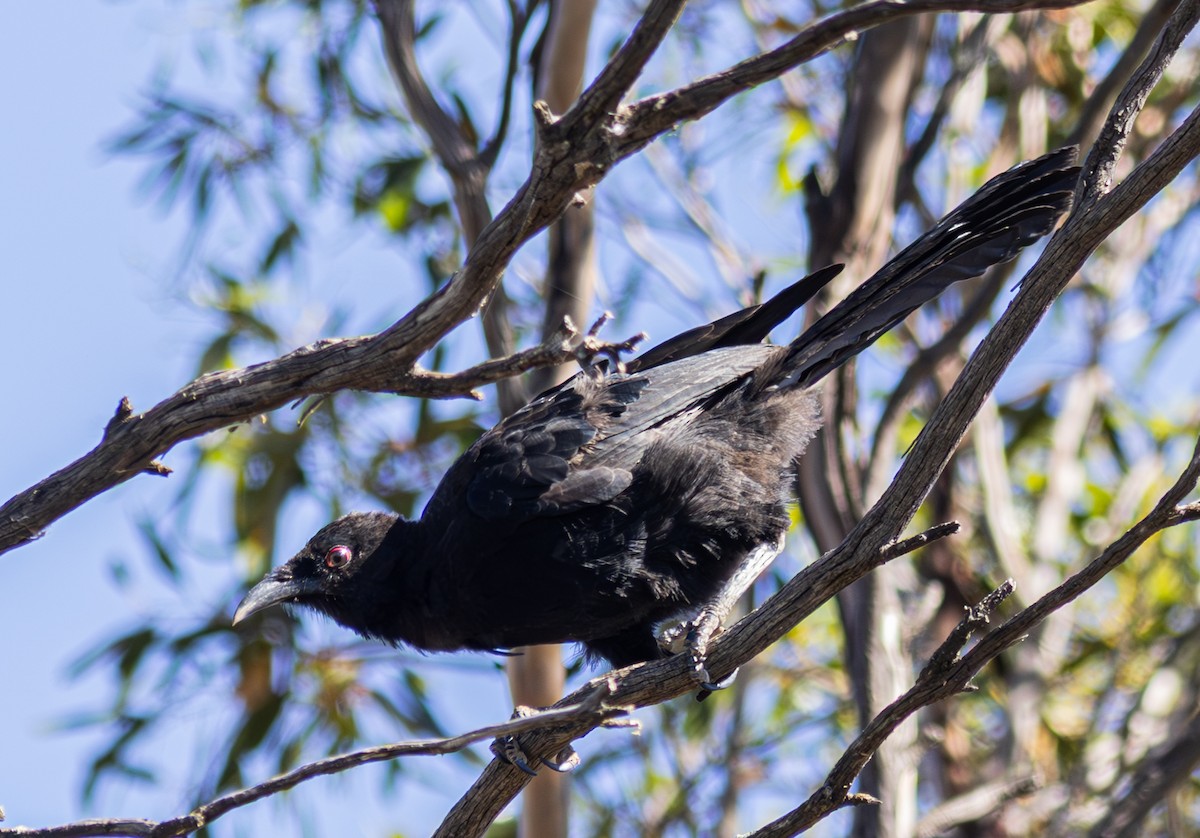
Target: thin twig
519,21
564,347
592,709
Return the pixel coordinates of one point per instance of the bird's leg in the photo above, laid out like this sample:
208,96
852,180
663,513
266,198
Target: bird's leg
508,748
696,633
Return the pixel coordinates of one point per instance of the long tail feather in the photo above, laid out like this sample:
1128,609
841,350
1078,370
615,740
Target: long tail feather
742,328
1009,212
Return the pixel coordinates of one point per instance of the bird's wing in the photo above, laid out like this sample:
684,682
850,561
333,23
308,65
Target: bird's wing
576,446
523,467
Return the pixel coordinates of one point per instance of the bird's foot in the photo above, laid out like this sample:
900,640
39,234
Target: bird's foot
701,631
673,638
693,636
508,748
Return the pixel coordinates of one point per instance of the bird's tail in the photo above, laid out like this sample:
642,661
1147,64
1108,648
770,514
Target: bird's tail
1009,212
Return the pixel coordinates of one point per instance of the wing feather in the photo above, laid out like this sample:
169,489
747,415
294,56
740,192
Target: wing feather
577,445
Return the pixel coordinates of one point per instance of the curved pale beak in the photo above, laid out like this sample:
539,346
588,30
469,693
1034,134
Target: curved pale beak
274,588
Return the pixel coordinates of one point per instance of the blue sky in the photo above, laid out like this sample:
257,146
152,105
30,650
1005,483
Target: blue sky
82,324
87,319
91,314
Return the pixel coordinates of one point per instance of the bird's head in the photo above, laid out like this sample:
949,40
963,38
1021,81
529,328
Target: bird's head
333,573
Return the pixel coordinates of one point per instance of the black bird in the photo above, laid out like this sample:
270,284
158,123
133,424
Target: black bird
618,505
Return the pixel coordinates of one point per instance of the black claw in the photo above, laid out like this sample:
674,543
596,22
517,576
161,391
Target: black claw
520,762
701,631
724,684
508,749
707,687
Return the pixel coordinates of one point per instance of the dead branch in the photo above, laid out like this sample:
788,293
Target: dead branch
933,685
948,673
595,710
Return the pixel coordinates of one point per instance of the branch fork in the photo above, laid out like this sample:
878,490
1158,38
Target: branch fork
586,348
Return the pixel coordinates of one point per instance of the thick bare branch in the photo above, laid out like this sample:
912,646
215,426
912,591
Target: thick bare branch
132,442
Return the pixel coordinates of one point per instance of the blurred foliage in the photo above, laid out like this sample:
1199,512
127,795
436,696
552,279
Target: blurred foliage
301,130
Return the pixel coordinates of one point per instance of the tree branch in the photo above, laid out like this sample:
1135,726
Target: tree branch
647,119
593,710
947,673
933,684
132,442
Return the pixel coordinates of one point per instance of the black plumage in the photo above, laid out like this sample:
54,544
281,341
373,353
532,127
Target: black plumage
617,504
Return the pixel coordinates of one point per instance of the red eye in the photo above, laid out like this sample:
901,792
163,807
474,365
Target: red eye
338,556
